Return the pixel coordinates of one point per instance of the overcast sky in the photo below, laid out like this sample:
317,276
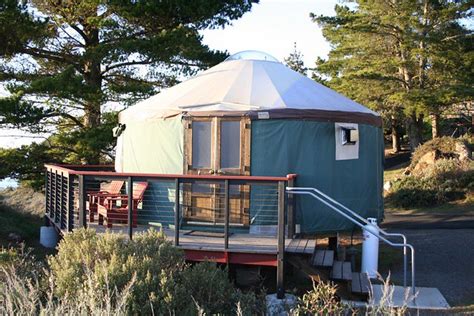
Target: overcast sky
273,26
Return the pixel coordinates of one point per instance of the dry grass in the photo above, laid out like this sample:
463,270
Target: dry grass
23,200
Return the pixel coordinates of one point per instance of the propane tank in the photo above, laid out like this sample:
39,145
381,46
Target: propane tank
370,248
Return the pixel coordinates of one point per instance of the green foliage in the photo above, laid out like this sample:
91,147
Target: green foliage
162,282
114,259
445,146
321,300
67,64
405,59
211,291
447,179
295,61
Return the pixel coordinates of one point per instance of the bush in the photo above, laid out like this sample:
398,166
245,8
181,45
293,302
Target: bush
321,300
115,259
162,282
213,293
446,179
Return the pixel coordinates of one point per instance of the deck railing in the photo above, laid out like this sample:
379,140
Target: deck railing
221,204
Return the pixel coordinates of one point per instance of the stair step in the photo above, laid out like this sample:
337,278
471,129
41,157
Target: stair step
360,283
341,270
323,258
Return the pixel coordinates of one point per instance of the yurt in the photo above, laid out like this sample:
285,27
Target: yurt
252,115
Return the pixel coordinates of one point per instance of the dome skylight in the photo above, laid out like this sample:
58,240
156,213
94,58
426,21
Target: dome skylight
252,55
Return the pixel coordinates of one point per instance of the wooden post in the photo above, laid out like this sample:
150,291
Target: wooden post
130,206
176,213
70,204
55,196
46,193
281,240
291,210
82,202
226,214
61,201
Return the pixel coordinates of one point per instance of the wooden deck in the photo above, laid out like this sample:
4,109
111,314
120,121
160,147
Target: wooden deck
239,243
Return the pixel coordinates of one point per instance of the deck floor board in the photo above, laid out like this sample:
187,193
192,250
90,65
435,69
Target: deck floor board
238,242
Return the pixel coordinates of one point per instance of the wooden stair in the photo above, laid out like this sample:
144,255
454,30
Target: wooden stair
360,283
341,270
323,258
322,266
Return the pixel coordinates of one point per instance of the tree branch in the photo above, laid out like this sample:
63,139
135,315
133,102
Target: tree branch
128,63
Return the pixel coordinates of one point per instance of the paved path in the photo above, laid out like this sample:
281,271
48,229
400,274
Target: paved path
444,259
428,221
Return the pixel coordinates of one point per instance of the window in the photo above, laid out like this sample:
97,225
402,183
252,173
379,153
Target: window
347,140
202,131
230,144
349,135
217,145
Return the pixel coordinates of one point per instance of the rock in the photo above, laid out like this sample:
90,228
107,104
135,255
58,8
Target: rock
463,151
426,160
407,171
14,237
280,307
387,186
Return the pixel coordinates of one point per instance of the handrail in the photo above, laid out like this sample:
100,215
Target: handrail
70,170
363,220
404,245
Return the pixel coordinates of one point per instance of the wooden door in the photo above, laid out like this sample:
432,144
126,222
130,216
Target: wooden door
219,146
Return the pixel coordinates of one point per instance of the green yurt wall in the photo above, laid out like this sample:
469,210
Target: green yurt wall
307,148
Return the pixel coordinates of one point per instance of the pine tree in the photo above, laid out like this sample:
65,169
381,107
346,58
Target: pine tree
295,61
64,62
393,57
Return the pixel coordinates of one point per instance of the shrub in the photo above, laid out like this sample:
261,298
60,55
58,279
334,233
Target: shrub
210,289
113,258
162,282
446,146
321,300
26,296
446,180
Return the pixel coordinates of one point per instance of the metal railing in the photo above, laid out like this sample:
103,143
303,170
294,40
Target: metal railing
357,219
180,205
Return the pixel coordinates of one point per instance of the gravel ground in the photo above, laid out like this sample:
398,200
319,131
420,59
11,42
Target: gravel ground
444,259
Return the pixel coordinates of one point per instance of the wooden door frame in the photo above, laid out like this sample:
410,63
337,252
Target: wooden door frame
244,169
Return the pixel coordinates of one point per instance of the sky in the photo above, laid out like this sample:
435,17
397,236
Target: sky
272,26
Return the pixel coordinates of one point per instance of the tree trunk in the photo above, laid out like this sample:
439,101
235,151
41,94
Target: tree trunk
93,99
434,125
396,145
415,129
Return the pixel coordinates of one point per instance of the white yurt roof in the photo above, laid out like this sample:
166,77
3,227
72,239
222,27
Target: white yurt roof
249,83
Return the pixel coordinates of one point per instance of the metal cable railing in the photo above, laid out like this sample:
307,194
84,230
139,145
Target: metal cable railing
357,219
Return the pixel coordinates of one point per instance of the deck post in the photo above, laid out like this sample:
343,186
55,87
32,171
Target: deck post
281,240
82,202
176,213
46,193
55,195
70,203
130,206
226,214
61,201
291,210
